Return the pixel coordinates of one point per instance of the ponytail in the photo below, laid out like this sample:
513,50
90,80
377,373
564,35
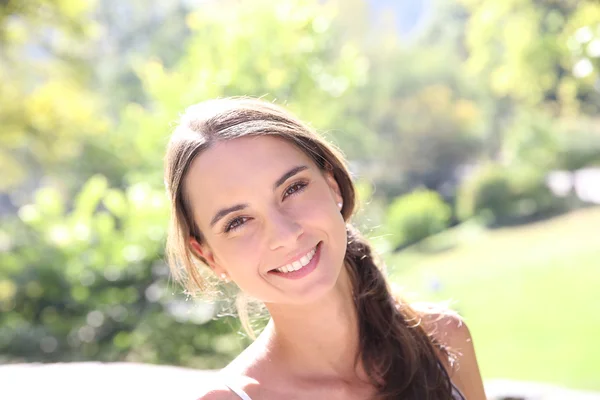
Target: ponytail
398,355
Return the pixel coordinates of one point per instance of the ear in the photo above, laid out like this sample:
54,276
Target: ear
333,185
206,253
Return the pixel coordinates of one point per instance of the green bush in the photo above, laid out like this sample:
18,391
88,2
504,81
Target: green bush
415,216
580,153
85,279
501,195
487,193
532,196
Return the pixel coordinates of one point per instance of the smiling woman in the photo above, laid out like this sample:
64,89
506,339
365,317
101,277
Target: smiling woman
260,199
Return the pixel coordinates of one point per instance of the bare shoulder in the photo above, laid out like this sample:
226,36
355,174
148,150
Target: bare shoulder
444,324
217,393
450,330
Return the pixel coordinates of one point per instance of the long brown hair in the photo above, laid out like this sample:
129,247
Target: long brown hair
399,356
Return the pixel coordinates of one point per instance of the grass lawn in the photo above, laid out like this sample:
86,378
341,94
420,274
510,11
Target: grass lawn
530,295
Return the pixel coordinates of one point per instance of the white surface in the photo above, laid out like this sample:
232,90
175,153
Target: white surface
100,381
499,388
115,381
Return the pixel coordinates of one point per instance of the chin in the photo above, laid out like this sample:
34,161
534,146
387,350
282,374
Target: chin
322,283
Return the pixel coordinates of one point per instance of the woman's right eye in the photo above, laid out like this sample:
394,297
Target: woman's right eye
235,223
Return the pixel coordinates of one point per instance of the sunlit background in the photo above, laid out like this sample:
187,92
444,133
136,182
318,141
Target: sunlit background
472,129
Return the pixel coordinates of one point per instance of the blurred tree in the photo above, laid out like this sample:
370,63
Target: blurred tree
424,112
288,53
69,71
129,34
579,89
529,54
45,105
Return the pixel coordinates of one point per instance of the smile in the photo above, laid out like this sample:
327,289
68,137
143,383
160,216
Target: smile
301,267
296,265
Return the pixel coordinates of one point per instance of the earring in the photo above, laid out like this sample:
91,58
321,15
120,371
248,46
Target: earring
224,277
340,205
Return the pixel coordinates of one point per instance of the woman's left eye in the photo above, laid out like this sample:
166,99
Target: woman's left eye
295,188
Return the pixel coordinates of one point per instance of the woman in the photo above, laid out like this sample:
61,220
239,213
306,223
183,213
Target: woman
260,199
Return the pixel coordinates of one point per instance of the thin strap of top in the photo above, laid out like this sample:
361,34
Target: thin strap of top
456,393
237,390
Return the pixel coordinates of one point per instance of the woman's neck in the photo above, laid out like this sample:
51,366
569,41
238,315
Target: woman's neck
317,340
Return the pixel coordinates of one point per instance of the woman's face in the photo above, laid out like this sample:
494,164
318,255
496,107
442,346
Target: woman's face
264,207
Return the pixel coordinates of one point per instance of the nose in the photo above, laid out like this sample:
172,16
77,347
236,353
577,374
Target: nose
284,230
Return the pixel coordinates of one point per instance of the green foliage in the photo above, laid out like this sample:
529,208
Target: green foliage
488,191
537,141
425,114
533,140
578,90
535,52
415,216
580,147
539,56
87,280
46,105
524,68
505,195
287,53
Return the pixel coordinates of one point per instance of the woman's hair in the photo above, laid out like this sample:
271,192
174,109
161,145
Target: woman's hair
397,353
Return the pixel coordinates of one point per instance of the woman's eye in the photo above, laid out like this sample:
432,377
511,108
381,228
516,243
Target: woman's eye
295,188
235,223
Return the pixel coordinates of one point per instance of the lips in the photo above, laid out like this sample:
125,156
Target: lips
308,263
298,263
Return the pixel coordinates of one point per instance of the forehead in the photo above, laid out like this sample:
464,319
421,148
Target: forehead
227,172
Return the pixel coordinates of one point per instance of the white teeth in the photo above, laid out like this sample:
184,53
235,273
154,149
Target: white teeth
296,265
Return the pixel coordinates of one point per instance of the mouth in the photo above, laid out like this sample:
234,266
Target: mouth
301,267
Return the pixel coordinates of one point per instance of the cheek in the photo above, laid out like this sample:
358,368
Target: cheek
240,256
320,206
320,213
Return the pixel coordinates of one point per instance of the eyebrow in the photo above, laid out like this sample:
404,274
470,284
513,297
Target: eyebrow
288,175
223,212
